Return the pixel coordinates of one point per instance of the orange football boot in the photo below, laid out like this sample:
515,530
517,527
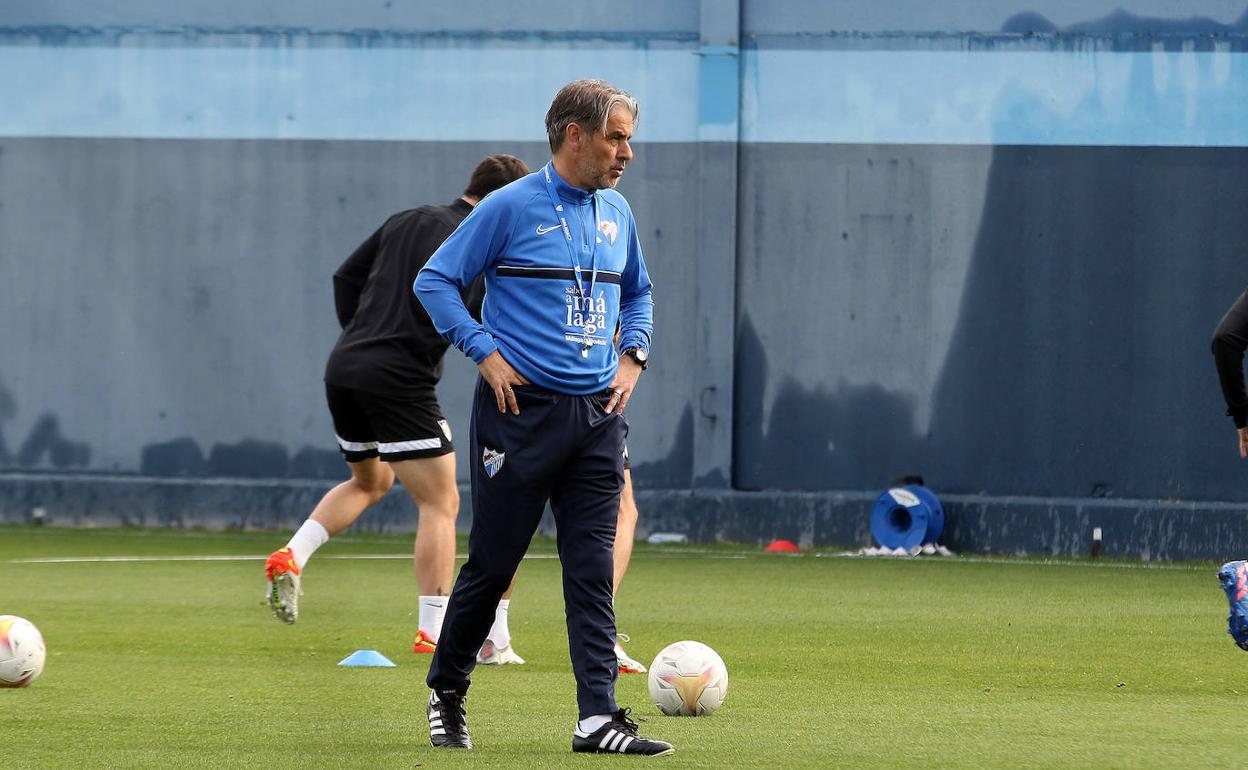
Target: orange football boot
424,644
282,571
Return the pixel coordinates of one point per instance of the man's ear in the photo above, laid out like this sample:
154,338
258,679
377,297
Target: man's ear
574,136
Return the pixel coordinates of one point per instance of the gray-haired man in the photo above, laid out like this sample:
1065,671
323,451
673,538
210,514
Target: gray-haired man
562,266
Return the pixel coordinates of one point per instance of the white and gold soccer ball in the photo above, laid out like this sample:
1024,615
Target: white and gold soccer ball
21,651
688,679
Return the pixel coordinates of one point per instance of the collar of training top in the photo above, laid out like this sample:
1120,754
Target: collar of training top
566,191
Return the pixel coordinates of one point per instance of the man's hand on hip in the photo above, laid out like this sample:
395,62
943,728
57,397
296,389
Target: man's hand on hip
623,384
496,371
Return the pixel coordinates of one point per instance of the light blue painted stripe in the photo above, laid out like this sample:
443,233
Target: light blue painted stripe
488,94
420,94
986,97
719,91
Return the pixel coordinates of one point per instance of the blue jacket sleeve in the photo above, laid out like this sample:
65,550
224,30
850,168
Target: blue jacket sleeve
636,300
470,251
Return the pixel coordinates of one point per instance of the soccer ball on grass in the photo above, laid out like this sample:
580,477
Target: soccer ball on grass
688,679
21,652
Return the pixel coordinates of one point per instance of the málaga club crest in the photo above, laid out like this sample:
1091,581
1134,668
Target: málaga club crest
492,461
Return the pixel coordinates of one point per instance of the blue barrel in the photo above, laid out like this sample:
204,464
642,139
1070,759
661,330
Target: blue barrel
906,517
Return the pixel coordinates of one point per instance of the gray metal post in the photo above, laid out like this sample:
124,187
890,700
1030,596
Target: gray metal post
719,89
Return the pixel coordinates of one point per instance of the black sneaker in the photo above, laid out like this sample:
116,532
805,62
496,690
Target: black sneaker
448,727
619,736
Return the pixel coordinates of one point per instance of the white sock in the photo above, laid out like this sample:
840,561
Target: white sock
500,634
432,610
306,540
590,725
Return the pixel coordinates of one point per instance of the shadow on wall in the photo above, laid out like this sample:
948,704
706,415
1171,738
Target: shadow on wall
1079,364
1198,32
250,458
673,471
1080,361
254,458
45,445
851,437
45,440
8,409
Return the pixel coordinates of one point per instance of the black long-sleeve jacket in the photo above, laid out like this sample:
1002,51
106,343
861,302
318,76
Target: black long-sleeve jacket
1229,343
388,343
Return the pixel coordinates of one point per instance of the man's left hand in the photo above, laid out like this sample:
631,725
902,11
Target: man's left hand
623,384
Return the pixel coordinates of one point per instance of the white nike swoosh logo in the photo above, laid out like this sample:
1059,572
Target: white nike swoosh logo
543,230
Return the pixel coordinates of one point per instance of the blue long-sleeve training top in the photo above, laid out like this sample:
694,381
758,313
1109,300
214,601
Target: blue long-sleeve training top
556,336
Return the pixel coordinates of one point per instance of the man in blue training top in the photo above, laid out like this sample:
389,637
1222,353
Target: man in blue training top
562,266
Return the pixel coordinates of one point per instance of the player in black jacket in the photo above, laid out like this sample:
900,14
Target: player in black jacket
379,383
1229,343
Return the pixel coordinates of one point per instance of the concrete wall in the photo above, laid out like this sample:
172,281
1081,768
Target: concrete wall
173,305
1037,343
174,199
986,242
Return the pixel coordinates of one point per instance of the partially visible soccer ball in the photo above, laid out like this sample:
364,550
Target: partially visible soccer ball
21,652
688,679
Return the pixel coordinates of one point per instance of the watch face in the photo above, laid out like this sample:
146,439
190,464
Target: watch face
641,355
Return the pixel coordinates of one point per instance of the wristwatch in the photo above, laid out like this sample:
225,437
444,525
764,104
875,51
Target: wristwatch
640,355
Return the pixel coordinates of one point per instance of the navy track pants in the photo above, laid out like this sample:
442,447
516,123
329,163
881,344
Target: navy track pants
565,450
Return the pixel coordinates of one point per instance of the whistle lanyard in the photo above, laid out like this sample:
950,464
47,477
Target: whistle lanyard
567,236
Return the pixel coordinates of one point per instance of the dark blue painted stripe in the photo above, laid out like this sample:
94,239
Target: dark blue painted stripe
303,37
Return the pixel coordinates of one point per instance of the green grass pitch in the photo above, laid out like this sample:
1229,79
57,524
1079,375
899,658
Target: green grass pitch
833,662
